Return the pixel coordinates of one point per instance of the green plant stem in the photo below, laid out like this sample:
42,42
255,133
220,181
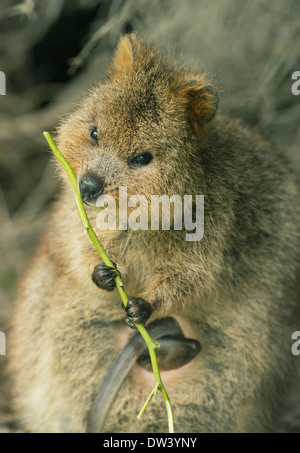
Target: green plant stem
152,345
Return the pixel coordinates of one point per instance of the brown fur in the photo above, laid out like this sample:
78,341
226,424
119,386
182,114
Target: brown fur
235,289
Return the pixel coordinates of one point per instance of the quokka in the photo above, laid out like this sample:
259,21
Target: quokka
154,127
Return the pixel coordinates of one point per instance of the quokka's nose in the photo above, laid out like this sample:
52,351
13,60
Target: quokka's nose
91,187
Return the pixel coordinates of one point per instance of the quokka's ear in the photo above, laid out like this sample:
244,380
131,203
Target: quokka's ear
200,100
129,47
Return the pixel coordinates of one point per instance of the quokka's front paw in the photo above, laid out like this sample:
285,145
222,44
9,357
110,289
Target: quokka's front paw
137,311
104,276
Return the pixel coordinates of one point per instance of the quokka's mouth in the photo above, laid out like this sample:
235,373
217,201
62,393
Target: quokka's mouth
85,201
88,201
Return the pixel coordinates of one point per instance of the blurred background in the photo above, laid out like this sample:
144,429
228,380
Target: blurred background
53,51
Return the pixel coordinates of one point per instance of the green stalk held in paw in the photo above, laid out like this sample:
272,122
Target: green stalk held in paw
152,345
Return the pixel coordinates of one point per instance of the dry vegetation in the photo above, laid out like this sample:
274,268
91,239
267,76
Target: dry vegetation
51,51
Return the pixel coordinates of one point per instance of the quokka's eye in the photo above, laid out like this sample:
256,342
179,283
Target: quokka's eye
94,134
141,159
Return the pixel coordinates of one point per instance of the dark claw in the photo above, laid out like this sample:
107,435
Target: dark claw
104,276
137,311
130,324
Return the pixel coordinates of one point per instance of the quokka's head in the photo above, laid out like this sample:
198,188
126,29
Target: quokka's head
138,128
